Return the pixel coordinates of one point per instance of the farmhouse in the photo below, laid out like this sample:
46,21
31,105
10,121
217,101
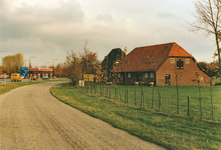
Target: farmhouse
164,64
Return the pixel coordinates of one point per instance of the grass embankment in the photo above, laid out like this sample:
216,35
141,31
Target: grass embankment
10,86
168,130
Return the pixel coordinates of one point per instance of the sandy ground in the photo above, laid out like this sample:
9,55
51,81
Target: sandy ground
32,119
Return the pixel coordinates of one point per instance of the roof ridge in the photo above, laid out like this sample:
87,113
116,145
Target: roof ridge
156,45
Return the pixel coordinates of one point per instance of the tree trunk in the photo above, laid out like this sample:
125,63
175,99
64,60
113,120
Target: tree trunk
218,50
177,88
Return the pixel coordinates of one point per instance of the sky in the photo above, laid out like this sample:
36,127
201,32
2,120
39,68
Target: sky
49,29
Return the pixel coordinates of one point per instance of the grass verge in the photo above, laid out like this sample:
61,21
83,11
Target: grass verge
8,87
170,131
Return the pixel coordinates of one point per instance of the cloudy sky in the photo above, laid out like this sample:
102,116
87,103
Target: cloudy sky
47,29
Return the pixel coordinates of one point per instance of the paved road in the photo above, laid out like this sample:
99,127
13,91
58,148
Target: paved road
30,118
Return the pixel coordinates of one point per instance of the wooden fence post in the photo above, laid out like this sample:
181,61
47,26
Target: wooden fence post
120,92
100,89
211,98
95,90
91,87
143,101
135,95
115,93
200,99
152,96
168,99
160,95
110,92
188,99
107,91
127,95
103,89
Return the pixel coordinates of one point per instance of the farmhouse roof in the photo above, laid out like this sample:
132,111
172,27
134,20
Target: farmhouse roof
150,58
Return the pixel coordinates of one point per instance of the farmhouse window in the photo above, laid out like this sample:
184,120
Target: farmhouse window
129,75
172,60
118,75
179,64
187,61
146,75
151,75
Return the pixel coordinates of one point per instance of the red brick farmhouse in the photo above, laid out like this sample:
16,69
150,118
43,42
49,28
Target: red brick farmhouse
162,64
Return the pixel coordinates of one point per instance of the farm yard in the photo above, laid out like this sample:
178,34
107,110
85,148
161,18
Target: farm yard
159,124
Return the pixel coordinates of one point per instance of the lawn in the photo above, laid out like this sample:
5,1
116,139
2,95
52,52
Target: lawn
167,129
168,95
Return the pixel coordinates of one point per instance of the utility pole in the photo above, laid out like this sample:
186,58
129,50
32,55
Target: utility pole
53,65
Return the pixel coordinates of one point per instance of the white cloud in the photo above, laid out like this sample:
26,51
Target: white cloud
167,15
50,28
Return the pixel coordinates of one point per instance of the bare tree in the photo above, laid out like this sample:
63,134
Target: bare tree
208,17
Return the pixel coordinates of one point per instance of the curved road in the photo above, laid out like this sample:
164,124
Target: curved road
32,119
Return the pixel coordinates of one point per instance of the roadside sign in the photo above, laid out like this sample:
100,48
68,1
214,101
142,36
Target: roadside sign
88,77
24,71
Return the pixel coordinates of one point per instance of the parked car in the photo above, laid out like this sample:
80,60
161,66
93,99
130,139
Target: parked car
3,77
15,77
34,78
45,78
54,77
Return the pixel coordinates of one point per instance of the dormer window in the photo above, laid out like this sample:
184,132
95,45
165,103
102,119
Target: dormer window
179,64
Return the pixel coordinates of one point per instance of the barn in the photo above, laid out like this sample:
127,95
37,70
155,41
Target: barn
163,64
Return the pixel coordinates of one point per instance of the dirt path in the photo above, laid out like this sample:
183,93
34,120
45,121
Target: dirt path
30,118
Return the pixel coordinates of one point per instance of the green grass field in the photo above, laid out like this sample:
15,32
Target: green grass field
170,94
169,130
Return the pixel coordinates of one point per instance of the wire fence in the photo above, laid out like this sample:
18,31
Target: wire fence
190,101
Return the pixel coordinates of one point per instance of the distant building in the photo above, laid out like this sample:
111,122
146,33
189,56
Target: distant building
161,64
112,59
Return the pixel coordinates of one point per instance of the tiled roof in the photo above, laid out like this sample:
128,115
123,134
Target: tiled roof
149,58
178,51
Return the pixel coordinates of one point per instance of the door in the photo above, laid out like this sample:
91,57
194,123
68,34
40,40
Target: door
167,79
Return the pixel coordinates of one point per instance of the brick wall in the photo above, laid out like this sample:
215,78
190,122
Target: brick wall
185,75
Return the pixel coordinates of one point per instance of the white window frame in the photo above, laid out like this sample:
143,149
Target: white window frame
118,75
152,75
172,60
187,61
129,75
146,75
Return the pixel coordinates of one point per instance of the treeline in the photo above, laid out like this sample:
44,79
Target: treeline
12,63
79,64
210,68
